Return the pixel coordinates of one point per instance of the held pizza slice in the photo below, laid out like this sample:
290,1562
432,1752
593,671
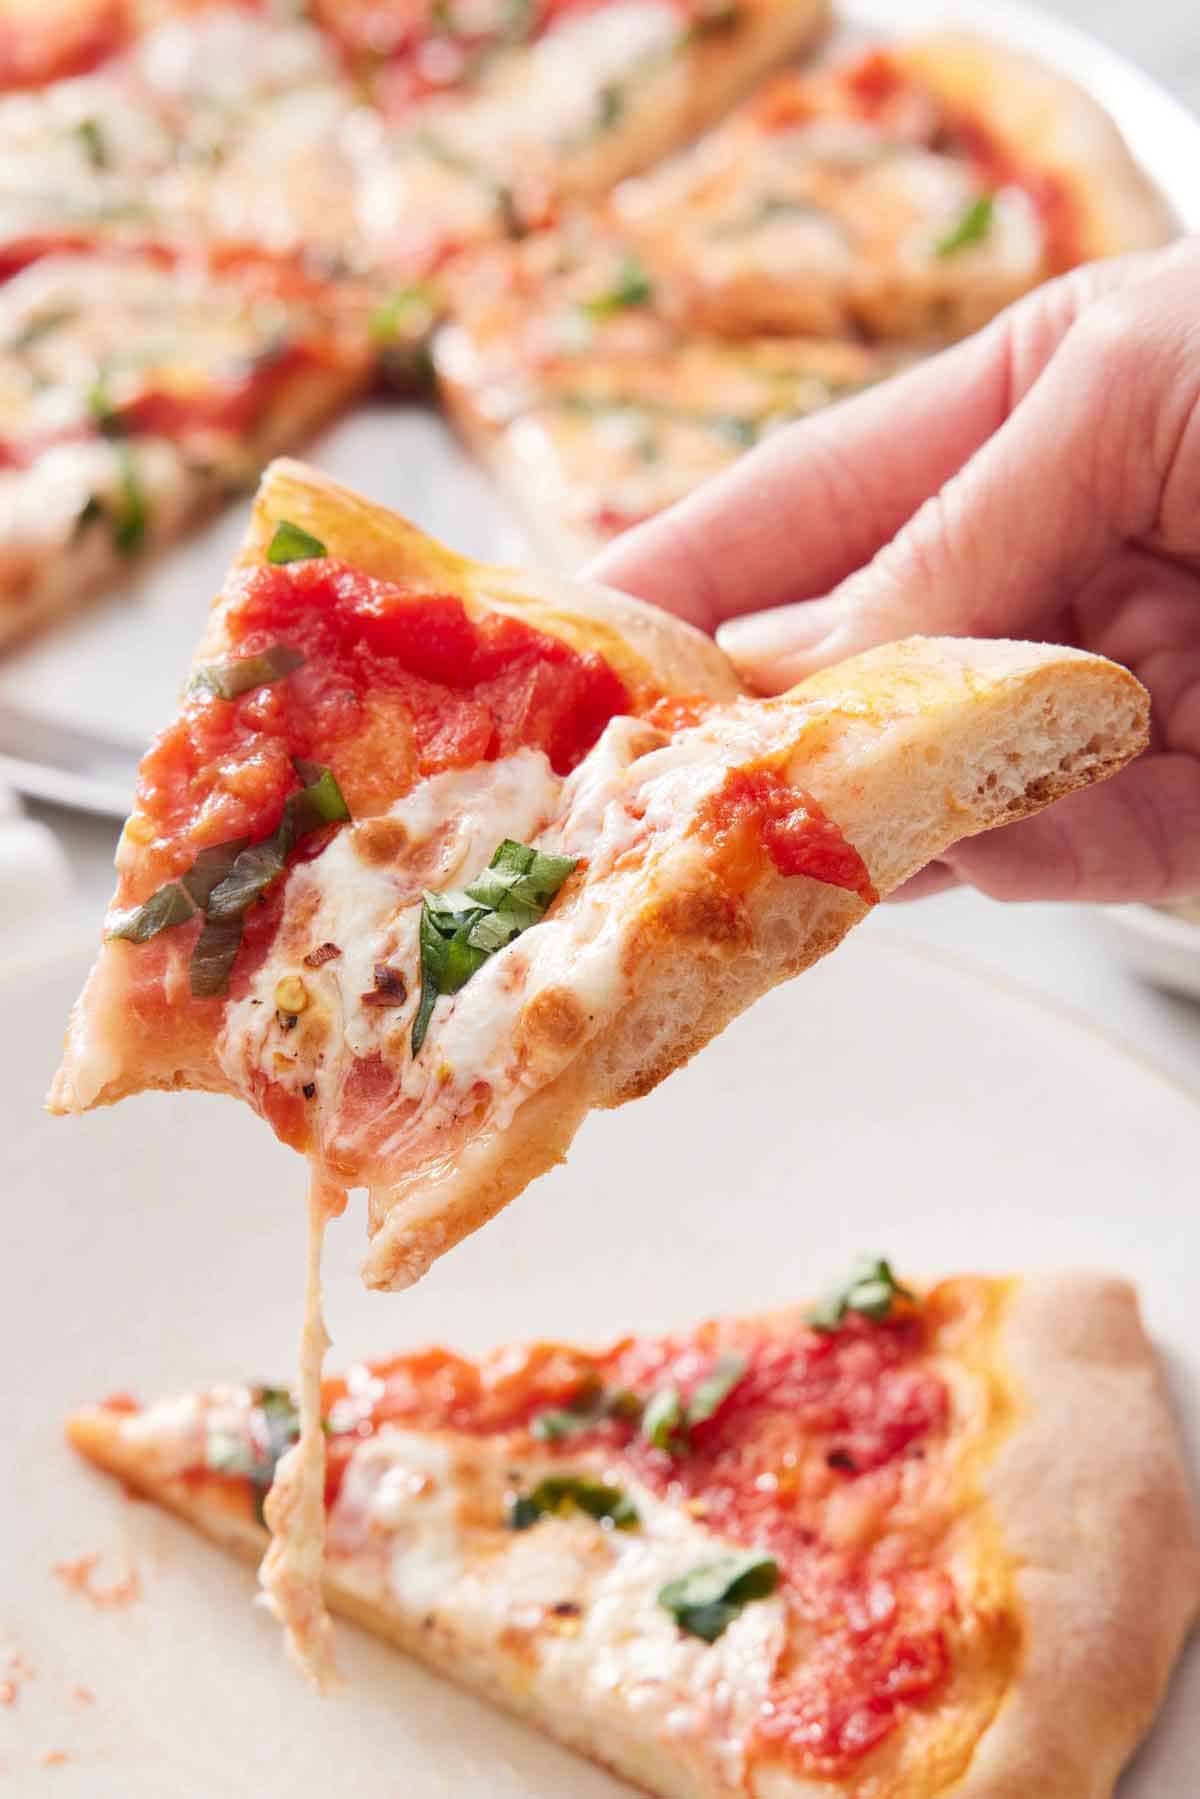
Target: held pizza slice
436,856
898,1546
137,387
912,192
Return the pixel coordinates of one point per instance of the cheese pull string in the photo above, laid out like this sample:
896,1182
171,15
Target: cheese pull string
291,1572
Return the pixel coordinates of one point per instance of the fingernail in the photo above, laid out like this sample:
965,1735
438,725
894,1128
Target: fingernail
776,647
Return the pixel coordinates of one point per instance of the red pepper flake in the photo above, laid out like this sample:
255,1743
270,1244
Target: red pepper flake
324,952
77,1577
391,988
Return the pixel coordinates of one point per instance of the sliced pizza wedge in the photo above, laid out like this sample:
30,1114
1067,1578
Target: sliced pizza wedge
911,192
138,386
902,1544
436,857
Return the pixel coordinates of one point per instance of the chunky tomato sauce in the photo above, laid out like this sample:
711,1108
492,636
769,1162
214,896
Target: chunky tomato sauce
38,45
394,686
806,1458
786,824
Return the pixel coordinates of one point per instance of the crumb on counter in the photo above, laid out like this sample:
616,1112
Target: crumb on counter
78,1577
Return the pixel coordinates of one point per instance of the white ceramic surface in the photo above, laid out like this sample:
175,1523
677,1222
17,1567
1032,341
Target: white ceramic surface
1160,946
78,703
889,1100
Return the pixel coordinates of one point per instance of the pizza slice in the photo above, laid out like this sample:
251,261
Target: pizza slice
437,856
139,386
549,99
561,365
903,1543
591,444
911,192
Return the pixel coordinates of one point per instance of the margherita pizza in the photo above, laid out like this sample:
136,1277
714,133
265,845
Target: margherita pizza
139,386
910,193
894,1547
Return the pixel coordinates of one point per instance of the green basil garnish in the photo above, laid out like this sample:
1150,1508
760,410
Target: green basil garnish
228,877
291,543
171,905
706,1600
871,1291
255,1456
559,1493
667,1422
589,1407
130,516
92,141
971,227
458,932
631,287
238,675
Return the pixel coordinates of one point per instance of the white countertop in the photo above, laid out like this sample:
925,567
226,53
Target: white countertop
1056,951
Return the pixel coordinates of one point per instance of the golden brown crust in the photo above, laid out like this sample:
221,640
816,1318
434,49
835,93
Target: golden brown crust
1092,1499
1046,122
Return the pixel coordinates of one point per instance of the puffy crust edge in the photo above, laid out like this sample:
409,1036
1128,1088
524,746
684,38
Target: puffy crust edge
1045,120
1093,1501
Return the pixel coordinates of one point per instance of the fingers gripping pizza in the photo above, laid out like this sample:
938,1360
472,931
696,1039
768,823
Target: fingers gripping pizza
850,1551
437,857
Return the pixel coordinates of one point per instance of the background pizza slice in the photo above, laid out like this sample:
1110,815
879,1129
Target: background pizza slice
909,193
138,387
436,856
841,1550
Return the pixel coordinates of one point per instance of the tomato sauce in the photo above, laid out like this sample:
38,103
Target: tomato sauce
48,44
786,824
395,685
856,1413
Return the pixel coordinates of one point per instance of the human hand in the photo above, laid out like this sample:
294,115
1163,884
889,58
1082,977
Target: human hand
1040,480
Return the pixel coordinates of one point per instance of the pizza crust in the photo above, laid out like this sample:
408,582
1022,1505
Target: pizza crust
1087,1496
933,740
1093,1500
1048,122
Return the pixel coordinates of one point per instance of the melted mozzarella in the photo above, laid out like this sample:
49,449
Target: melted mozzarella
420,1525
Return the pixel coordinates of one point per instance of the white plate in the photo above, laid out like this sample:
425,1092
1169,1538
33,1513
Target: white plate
78,704
889,1101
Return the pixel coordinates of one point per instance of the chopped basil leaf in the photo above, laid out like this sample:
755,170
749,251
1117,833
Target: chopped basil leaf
100,404
291,543
610,105
458,932
559,1493
170,906
41,325
92,140
131,513
632,287
971,227
214,955
406,311
319,802
254,1455
667,1422
590,1407
871,1291
663,1418
711,1393
210,868
708,1598
238,675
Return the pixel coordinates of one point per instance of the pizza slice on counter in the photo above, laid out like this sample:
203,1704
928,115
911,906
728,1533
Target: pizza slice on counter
911,192
139,386
902,1544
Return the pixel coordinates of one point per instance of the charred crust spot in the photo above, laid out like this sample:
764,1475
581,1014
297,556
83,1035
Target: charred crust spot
379,840
842,1460
566,1608
324,952
309,1090
554,1019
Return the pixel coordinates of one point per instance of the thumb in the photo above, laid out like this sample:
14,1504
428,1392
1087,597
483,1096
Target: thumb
1075,470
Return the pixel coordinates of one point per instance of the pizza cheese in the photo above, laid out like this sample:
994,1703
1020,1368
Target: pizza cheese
816,1551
